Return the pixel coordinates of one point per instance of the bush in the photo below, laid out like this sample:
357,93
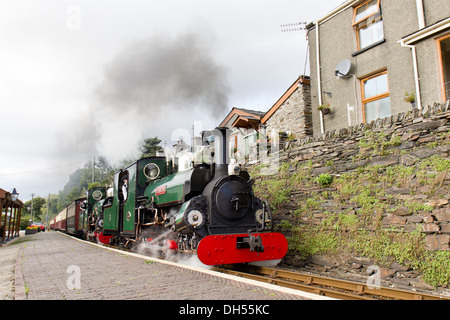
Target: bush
436,269
31,230
325,179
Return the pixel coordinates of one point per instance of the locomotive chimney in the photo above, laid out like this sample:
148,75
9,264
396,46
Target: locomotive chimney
221,150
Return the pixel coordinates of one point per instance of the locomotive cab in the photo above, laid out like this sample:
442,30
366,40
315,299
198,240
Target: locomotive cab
121,211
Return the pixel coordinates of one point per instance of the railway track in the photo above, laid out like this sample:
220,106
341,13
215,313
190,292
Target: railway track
334,288
329,287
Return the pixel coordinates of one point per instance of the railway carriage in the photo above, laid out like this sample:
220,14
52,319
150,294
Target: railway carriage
60,220
75,217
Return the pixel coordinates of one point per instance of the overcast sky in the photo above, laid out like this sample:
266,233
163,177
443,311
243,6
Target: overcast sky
79,79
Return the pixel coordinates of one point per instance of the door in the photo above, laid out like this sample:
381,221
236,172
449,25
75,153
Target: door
111,210
127,186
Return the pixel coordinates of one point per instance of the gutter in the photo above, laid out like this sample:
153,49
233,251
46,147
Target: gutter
426,32
337,10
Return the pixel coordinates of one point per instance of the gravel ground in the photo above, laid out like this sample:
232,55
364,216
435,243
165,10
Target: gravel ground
8,257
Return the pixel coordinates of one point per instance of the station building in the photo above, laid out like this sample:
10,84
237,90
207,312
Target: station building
10,214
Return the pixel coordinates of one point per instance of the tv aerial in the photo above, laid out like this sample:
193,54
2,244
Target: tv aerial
294,26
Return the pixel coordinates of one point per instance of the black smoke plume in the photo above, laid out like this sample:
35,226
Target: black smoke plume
163,72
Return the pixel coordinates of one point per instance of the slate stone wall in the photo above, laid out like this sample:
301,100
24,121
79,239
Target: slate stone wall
399,163
294,115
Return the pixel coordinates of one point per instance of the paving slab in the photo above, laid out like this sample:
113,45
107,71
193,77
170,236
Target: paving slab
55,266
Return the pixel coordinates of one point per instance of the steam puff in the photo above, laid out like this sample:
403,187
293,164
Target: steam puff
149,88
153,85
162,72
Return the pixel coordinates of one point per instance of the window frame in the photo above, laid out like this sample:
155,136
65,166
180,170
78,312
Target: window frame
367,17
376,97
444,96
364,22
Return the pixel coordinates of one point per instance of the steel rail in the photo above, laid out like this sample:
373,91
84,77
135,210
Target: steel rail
323,291
331,287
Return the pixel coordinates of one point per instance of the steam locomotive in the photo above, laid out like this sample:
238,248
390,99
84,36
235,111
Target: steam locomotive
207,210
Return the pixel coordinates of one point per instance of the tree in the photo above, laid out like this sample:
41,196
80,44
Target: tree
104,166
150,146
52,207
81,178
38,203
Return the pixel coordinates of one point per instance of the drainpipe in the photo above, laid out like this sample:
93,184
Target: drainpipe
420,14
416,73
344,6
319,80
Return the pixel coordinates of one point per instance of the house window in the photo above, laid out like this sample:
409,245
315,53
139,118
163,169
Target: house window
444,65
375,95
368,23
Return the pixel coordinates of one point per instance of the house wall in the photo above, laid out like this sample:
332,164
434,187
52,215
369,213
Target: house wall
435,10
338,42
428,71
427,53
294,115
238,151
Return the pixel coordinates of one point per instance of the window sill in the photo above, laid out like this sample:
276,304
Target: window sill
368,47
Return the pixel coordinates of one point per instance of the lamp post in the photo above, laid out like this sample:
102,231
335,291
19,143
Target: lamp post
32,218
14,195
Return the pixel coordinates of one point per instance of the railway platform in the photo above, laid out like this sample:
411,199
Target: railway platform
54,266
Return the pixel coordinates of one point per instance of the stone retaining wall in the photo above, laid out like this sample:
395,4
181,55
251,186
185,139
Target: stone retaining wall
400,170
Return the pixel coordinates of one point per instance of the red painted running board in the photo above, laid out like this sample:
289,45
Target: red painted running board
221,249
103,239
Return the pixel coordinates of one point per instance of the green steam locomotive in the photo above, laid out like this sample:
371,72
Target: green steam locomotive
204,210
